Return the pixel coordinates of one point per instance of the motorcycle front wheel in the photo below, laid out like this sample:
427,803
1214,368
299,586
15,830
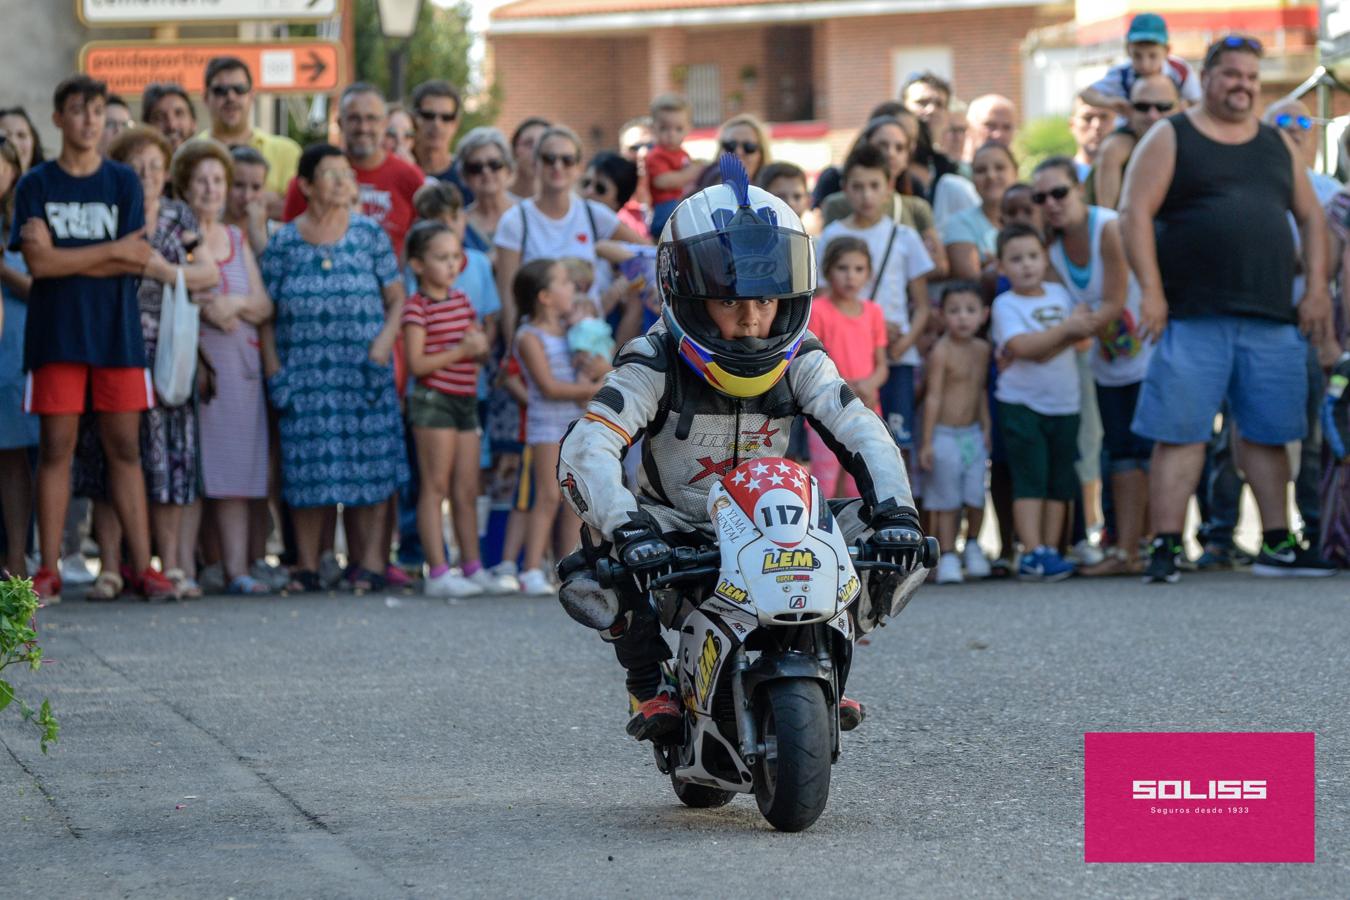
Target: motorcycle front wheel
792,776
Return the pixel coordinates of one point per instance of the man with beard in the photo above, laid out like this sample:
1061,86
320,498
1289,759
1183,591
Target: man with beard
1152,99
1203,219
229,103
386,183
1089,125
166,106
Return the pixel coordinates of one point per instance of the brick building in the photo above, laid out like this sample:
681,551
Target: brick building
812,68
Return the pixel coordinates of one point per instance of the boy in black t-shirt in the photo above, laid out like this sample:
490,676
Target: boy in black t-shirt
80,222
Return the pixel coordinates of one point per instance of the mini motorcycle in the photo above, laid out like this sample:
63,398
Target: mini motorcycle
765,623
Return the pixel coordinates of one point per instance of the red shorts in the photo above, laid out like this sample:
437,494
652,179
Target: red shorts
61,389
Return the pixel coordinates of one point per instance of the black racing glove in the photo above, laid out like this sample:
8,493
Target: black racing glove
642,549
896,536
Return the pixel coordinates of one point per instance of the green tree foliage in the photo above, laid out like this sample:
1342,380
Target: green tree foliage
439,48
1042,138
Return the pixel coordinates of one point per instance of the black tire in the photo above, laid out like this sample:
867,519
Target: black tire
698,796
792,778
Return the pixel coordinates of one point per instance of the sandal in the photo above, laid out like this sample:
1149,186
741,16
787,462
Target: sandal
304,581
246,584
107,587
188,588
364,580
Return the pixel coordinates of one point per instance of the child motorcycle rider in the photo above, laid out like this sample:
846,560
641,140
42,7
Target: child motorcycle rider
717,381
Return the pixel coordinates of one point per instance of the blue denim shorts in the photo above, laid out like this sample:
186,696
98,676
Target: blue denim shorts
897,404
1260,366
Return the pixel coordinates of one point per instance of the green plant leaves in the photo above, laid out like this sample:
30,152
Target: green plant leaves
18,644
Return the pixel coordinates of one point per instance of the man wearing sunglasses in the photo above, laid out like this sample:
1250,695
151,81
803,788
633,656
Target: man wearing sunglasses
1204,222
1152,99
386,184
435,113
229,104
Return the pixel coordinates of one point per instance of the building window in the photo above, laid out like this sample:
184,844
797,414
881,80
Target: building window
704,87
906,62
790,86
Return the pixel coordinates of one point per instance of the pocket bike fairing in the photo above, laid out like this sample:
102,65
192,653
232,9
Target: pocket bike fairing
765,624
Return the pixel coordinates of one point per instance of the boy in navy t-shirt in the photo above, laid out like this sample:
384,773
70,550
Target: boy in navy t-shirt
80,222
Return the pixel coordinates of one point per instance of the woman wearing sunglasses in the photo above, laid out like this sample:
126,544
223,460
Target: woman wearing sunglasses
612,180
555,223
484,160
1086,250
745,136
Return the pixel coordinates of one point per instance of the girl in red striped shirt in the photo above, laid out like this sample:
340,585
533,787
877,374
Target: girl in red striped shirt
444,346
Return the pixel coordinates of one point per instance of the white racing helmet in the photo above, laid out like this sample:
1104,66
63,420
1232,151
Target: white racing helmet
732,241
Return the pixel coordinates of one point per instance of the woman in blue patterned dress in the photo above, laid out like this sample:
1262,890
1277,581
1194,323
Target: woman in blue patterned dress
334,280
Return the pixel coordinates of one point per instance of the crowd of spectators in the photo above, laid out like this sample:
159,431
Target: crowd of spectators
408,320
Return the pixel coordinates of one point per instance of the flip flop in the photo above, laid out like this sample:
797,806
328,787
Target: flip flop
304,581
107,588
246,584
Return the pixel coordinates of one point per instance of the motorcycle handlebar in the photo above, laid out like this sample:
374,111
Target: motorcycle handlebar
689,563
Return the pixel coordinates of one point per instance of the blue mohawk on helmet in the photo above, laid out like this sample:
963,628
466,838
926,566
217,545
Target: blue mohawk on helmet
735,177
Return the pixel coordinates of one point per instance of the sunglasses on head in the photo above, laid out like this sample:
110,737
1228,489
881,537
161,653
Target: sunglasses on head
1162,106
1232,42
224,90
595,186
747,147
478,168
1059,192
566,160
428,115
1288,120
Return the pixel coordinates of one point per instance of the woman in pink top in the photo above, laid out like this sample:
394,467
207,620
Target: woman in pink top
853,331
233,421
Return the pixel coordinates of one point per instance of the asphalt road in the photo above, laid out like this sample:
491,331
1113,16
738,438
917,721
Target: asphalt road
402,747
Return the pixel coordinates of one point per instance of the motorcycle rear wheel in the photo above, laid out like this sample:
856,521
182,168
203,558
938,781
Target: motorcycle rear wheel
699,796
792,776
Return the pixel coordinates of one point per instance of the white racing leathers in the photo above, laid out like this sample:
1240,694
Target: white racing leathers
694,435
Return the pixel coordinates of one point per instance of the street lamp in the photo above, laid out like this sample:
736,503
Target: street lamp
398,18
398,21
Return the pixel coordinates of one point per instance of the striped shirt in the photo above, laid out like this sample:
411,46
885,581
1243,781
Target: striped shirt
445,322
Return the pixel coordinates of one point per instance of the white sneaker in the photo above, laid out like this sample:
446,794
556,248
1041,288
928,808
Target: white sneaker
448,584
495,584
949,569
976,563
74,571
506,567
1086,553
535,582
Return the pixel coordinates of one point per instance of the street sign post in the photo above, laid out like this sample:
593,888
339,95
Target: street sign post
172,12
291,67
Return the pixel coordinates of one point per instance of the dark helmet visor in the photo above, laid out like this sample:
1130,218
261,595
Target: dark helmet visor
744,261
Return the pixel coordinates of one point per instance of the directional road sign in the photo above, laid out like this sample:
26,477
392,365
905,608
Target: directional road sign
292,67
161,12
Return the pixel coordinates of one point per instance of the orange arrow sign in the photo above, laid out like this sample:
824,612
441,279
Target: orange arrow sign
293,67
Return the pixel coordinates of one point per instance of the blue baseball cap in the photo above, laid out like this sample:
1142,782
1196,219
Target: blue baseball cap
1147,28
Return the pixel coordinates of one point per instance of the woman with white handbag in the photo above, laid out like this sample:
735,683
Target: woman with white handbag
169,449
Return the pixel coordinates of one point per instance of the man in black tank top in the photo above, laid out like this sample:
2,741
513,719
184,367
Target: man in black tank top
1203,214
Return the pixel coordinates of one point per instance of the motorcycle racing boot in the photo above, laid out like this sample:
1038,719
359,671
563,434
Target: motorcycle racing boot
658,716
851,713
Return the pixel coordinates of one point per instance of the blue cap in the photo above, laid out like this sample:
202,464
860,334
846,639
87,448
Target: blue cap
1147,28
